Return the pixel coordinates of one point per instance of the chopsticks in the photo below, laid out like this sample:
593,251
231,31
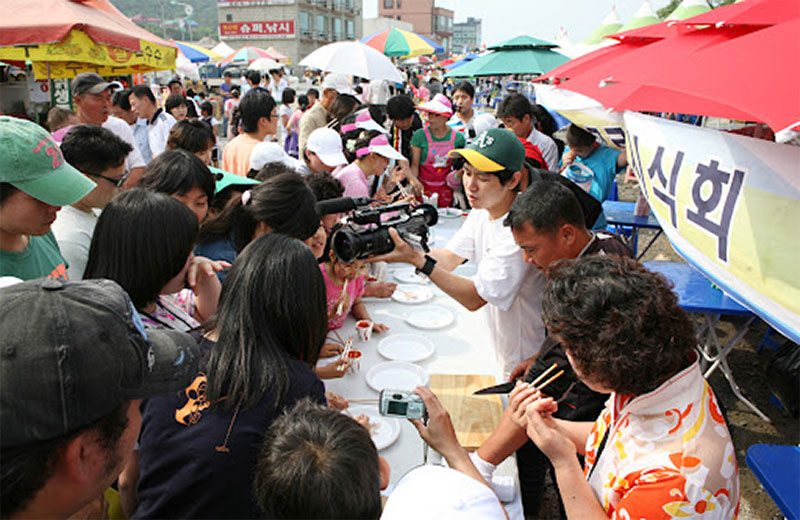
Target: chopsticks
545,374
346,353
340,308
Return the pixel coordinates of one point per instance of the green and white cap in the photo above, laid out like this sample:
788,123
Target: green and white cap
34,164
494,150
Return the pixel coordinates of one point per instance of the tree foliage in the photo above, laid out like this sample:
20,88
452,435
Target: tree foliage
205,14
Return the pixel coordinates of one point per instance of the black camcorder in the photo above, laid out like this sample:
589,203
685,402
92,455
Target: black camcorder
365,235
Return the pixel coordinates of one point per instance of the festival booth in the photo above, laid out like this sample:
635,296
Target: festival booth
729,204
62,38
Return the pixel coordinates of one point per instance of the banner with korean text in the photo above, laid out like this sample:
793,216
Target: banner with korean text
256,30
730,205
584,112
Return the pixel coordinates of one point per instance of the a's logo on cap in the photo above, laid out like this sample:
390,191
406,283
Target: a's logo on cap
484,140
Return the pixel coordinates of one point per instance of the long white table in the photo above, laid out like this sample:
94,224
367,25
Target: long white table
464,347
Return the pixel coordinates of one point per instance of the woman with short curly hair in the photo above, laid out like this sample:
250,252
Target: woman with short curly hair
661,448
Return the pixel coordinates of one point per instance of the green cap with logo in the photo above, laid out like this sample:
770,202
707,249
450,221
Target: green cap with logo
33,163
494,150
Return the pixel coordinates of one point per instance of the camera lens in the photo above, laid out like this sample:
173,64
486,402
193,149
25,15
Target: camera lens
397,396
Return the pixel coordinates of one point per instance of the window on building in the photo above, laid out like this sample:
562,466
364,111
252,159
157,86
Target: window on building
337,29
398,4
351,29
228,17
321,25
388,4
305,23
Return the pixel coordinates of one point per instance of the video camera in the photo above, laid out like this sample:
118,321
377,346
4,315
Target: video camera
364,234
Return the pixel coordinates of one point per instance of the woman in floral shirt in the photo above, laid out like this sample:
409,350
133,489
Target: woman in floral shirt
661,448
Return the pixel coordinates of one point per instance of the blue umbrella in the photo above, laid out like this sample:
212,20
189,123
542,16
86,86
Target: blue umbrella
462,61
194,54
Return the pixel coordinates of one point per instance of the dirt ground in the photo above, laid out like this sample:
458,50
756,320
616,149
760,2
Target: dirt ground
749,371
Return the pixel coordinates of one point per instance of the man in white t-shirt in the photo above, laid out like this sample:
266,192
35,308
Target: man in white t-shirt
159,122
92,95
100,155
509,288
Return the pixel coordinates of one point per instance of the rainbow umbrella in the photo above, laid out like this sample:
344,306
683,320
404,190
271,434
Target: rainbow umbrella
246,54
397,42
195,53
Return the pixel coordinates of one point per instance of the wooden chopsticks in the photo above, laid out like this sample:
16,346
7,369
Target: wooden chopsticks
545,374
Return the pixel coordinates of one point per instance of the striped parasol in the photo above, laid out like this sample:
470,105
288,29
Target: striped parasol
397,42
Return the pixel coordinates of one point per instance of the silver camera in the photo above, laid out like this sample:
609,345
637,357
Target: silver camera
401,403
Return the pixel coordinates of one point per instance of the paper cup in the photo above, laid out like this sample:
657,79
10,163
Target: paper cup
364,328
354,357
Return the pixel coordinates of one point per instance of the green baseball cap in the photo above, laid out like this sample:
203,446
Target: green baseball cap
33,163
223,179
494,150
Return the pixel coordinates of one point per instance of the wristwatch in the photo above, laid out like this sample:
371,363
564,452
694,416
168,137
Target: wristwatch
427,267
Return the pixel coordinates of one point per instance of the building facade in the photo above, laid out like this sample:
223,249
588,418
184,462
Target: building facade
428,20
467,35
293,27
380,24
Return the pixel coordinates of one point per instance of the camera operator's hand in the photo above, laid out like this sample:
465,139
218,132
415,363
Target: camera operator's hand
439,433
402,252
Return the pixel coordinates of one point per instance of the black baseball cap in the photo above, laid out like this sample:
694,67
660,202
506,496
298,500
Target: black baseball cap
91,83
71,352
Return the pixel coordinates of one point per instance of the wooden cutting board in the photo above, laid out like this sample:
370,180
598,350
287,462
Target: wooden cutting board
474,416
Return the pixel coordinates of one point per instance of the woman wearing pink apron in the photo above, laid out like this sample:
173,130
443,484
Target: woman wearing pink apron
436,140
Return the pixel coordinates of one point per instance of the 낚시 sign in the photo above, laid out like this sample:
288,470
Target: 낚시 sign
257,30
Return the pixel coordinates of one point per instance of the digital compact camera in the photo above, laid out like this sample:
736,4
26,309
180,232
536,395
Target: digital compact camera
401,403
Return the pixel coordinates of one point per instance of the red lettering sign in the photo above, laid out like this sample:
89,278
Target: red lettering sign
257,30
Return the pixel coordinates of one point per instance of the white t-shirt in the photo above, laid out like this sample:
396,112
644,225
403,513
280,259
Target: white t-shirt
73,230
548,148
123,130
512,288
283,110
158,131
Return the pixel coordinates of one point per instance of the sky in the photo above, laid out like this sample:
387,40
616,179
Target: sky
504,19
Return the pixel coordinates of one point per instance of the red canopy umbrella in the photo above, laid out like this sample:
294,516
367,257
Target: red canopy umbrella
752,12
695,73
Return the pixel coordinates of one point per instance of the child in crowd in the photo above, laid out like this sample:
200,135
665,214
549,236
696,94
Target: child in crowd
58,118
293,135
282,204
430,147
344,285
373,153
264,338
195,137
182,176
143,241
284,114
207,117
591,166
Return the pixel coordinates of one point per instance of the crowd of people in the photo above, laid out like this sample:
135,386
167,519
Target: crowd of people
165,301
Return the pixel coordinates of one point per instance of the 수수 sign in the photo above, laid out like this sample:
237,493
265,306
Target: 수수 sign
257,30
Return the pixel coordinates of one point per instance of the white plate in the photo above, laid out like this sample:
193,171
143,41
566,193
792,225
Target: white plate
396,375
412,294
406,347
430,317
449,212
383,430
407,275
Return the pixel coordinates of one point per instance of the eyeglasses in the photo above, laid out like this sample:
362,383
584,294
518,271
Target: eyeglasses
116,182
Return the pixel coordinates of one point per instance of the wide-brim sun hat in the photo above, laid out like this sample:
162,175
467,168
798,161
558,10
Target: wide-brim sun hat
438,105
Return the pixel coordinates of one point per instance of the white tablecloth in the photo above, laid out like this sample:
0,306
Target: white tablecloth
463,347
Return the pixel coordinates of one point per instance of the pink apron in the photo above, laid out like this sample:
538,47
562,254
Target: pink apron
433,171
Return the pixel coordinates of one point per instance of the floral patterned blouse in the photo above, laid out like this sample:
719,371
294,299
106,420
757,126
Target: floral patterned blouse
668,454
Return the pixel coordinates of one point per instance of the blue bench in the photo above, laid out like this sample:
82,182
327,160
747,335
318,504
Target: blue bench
778,470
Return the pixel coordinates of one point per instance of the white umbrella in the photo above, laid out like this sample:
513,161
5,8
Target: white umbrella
223,49
353,58
264,65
